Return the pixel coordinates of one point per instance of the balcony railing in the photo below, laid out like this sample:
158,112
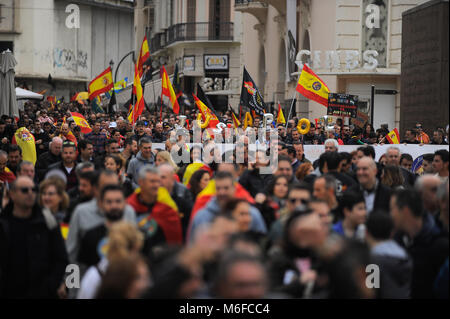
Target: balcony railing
202,31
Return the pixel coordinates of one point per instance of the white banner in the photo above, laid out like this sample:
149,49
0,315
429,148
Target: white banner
313,152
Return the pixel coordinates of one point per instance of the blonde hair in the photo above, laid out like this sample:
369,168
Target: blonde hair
123,239
60,187
168,158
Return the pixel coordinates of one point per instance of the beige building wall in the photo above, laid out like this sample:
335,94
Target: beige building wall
332,25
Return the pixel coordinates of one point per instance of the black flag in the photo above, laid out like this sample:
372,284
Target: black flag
250,95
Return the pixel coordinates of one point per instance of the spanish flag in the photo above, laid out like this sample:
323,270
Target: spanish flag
393,136
80,96
312,87
101,84
138,107
26,141
205,112
81,122
191,169
167,90
236,122
144,54
164,213
280,116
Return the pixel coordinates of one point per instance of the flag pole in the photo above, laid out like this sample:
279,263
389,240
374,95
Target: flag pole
290,109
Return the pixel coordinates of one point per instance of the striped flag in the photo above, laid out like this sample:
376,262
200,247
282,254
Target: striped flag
81,122
393,136
167,90
280,116
312,87
144,54
137,108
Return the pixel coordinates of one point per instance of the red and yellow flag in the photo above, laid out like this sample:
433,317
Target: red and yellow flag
236,122
27,143
138,107
393,136
144,54
191,169
312,87
101,84
280,116
205,111
81,122
167,90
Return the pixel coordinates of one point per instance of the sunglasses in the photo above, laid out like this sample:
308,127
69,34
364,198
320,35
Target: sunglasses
68,143
26,190
298,200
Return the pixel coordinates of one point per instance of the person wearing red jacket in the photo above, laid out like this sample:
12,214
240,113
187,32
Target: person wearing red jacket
157,214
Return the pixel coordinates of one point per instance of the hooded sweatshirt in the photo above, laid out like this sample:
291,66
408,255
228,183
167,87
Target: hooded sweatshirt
136,164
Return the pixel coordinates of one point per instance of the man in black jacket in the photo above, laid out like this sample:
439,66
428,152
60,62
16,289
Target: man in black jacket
33,256
158,135
48,158
252,180
41,137
179,193
424,241
376,195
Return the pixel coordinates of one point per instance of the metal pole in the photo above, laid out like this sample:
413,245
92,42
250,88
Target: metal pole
372,103
290,109
117,69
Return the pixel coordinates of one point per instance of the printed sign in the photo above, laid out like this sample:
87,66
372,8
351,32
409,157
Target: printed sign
342,105
216,62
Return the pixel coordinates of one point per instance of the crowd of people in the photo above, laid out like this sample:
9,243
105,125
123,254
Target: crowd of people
140,225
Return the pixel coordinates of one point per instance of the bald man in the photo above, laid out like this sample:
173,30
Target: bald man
48,158
179,193
376,195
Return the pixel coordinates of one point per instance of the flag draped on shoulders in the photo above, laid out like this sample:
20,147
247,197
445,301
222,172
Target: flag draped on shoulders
101,84
26,141
164,213
191,169
312,87
167,90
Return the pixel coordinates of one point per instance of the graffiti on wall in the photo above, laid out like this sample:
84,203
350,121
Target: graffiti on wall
69,60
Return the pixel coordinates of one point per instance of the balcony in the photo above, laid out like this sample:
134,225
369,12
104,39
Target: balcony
182,32
256,8
158,42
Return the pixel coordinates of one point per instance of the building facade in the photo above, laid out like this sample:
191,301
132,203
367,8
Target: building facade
350,44
70,41
203,37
